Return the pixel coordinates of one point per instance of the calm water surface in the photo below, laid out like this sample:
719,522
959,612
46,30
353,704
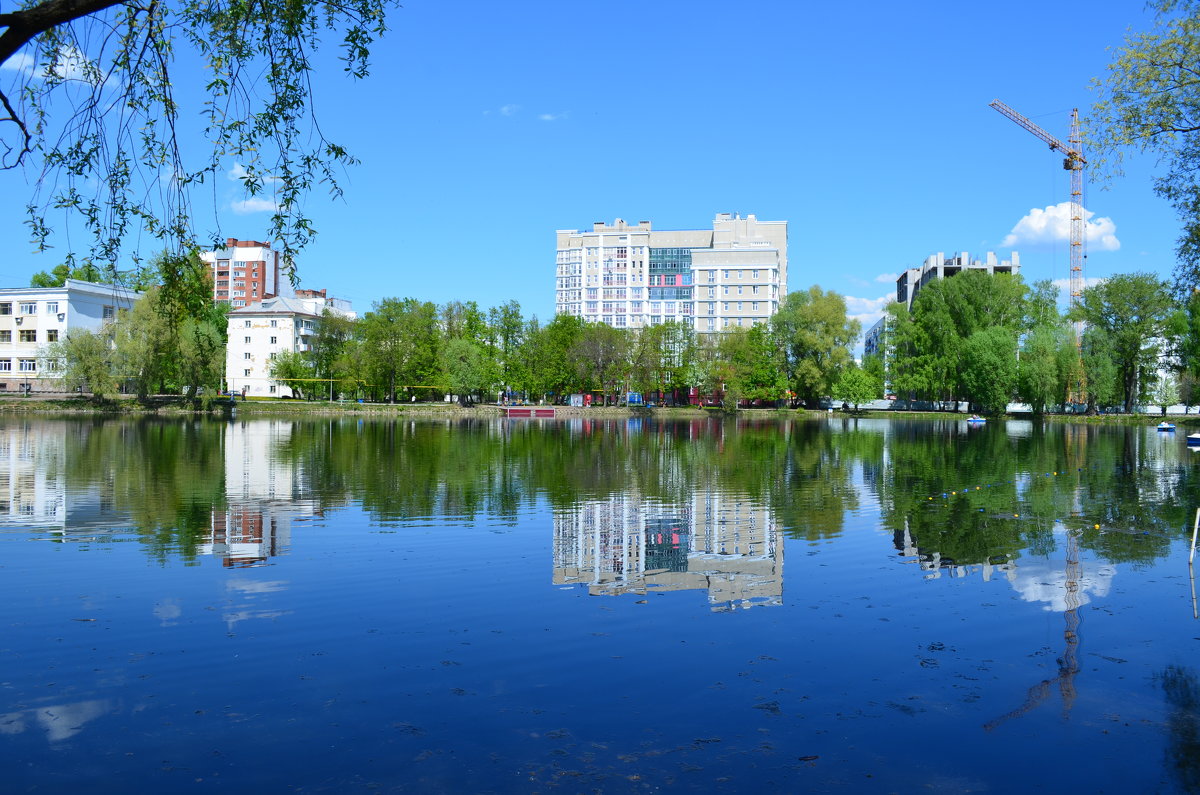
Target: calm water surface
586,606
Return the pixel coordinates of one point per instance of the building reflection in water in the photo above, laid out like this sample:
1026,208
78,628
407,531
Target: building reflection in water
720,543
935,565
33,486
263,497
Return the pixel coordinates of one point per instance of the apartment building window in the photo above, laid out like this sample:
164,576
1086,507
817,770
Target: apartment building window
5,365
27,365
51,366
727,289
238,263
6,336
739,289
52,307
246,355
739,306
52,335
274,324
754,289
669,308
247,340
725,275
711,323
110,312
273,355
620,321
274,340
28,335
272,389
28,307
725,308
246,372
239,292
754,274
6,308
712,277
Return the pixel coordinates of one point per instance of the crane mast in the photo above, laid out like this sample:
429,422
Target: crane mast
1073,161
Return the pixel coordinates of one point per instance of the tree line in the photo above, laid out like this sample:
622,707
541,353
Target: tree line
989,339
404,349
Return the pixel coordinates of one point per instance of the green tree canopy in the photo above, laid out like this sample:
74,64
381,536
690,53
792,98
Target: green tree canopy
1148,103
857,385
1131,312
814,336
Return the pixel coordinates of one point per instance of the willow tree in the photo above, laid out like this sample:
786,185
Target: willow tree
90,110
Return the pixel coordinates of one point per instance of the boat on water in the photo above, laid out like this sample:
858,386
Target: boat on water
976,419
1165,426
1193,440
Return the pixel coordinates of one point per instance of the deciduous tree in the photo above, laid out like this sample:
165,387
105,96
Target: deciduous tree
1148,103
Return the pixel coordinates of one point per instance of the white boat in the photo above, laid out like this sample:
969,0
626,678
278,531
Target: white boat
1193,440
1165,426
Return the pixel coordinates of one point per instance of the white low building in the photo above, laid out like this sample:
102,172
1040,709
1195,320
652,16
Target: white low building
32,318
260,332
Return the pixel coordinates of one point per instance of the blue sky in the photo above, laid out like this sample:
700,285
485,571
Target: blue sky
484,127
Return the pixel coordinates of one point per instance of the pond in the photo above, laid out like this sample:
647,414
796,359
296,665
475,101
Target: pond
596,605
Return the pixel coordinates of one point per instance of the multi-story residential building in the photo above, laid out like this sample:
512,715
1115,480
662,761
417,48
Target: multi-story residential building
33,317
260,332
244,271
632,276
936,266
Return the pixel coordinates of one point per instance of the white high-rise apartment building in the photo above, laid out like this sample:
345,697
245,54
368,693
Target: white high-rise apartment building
631,276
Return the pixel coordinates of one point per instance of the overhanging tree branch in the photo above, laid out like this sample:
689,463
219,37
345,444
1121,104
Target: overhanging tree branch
21,26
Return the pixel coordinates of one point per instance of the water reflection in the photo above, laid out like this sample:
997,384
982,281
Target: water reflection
58,722
718,542
638,505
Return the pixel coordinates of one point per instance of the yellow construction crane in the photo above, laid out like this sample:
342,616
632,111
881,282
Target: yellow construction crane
1074,162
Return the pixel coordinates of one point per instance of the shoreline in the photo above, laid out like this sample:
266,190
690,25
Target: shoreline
173,406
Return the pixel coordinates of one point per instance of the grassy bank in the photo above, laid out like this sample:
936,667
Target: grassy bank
175,405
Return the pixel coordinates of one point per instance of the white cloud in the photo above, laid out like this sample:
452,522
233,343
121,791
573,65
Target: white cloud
887,278
509,110
552,116
868,310
20,62
254,204
1053,225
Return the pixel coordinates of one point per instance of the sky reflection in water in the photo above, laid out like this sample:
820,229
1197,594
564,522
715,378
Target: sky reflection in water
586,605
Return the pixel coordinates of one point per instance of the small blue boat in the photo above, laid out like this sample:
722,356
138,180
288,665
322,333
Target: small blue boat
1165,426
1193,440
976,420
